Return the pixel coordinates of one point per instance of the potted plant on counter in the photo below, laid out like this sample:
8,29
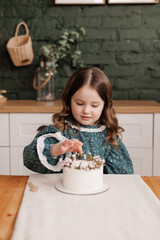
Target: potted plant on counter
66,48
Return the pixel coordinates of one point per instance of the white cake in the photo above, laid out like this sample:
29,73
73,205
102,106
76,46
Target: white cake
83,176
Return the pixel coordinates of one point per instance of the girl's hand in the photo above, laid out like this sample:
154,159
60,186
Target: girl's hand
72,145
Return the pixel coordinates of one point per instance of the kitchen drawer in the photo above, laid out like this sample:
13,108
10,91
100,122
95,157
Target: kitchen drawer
4,161
142,161
17,166
23,127
4,129
156,170
138,129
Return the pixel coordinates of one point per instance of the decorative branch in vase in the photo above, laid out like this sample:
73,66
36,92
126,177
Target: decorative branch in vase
65,48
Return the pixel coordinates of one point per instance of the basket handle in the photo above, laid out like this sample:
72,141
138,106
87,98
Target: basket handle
44,83
18,26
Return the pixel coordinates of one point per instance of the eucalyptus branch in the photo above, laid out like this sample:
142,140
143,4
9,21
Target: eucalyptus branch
64,48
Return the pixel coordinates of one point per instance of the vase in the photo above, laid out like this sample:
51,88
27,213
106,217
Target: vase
44,82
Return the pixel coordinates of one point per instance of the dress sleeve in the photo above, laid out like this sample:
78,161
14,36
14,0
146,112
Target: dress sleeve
37,156
118,160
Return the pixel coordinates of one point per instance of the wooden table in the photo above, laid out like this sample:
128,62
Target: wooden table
11,193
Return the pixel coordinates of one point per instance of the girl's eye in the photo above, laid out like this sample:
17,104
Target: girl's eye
94,106
79,104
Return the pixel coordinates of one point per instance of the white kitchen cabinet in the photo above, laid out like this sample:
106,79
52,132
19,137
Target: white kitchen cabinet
4,144
138,129
142,160
19,129
4,129
23,128
137,137
17,167
156,156
4,161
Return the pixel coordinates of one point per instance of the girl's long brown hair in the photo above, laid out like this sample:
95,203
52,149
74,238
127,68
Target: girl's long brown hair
94,77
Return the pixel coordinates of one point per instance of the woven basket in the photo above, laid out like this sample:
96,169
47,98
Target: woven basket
20,48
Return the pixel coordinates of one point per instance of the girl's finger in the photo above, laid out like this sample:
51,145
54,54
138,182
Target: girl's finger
72,145
77,142
68,143
78,149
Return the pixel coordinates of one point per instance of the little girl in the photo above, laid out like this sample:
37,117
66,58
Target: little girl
87,124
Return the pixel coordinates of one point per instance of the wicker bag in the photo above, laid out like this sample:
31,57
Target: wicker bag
20,47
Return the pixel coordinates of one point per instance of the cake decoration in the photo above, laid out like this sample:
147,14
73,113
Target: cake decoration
82,161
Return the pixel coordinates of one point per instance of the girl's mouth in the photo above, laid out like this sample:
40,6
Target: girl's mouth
85,118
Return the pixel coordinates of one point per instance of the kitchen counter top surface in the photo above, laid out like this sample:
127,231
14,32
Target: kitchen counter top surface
33,106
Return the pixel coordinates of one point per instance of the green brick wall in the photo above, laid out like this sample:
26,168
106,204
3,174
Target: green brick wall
123,40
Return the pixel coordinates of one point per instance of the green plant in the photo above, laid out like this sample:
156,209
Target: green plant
66,47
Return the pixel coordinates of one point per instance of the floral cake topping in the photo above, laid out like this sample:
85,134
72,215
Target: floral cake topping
82,161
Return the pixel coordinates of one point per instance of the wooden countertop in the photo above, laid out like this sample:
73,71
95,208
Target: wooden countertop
33,106
30,106
12,190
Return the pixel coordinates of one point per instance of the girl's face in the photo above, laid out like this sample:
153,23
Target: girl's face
86,105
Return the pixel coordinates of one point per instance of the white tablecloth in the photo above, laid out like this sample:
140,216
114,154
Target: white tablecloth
128,210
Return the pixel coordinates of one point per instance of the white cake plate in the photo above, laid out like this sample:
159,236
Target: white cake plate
60,187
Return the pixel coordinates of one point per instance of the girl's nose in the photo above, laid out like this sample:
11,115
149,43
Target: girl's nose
86,109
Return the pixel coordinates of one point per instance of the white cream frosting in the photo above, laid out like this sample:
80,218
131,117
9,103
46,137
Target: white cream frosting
83,180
